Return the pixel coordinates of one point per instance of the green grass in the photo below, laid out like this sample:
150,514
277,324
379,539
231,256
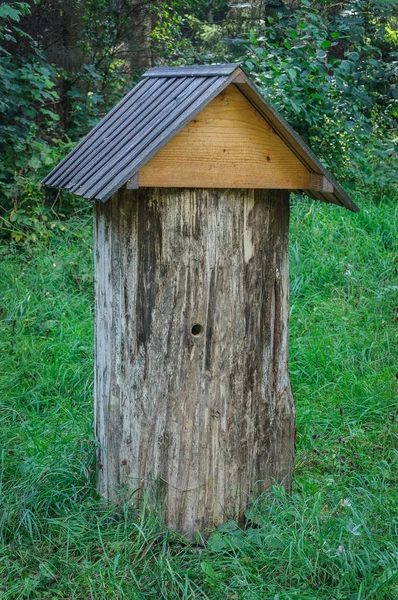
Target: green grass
333,538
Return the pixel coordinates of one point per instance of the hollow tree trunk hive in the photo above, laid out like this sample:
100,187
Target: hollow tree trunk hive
191,174
193,397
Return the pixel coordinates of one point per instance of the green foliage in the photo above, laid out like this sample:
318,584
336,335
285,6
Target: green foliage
167,36
334,78
334,538
102,75
188,32
27,93
31,134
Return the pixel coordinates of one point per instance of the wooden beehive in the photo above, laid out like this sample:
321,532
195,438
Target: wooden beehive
191,174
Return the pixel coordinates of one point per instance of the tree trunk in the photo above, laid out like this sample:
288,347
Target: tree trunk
192,390
139,42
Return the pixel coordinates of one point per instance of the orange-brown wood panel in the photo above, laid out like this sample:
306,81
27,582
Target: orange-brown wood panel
227,145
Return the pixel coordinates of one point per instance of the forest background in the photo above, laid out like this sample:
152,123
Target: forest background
331,68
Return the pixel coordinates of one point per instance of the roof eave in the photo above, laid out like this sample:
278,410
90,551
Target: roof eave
324,187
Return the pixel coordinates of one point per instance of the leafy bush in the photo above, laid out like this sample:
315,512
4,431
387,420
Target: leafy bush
334,78
29,142
26,86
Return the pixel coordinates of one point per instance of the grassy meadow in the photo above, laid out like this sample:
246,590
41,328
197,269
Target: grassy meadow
334,538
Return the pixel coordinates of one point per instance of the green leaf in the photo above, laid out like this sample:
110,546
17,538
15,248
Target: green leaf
228,527
350,125
209,571
51,114
345,66
367,129
34,163
216,542
326,44
8,12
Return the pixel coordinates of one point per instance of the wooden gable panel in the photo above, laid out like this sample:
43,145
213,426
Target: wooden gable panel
227,145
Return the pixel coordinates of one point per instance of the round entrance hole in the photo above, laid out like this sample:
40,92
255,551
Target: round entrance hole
197,330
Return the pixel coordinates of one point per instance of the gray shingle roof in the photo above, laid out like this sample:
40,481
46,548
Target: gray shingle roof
152,113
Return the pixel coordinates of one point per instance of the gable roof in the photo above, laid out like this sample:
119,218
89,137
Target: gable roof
152,113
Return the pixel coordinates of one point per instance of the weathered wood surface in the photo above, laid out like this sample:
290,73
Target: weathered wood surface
229,137
319,183
207,421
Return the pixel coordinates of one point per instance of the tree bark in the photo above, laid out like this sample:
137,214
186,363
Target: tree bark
192,391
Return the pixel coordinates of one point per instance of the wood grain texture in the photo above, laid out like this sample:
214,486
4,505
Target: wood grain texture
204,423
227,145
318,182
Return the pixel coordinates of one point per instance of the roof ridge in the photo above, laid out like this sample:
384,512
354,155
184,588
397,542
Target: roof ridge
193,70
